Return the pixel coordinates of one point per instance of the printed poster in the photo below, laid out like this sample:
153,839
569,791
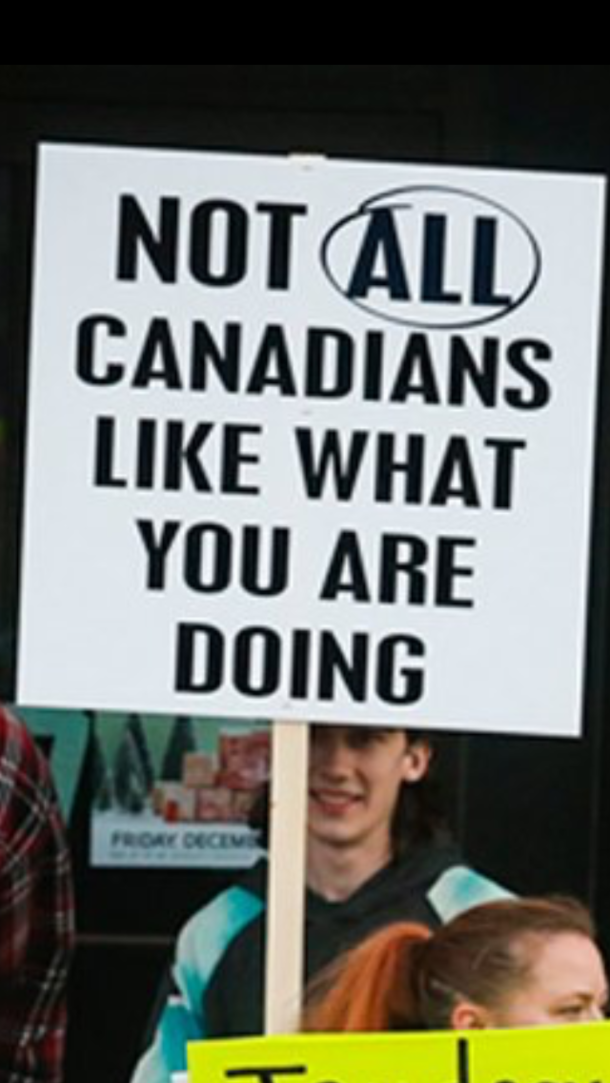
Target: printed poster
176,792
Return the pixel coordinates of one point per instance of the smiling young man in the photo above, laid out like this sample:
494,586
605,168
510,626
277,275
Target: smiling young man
355,778
376,852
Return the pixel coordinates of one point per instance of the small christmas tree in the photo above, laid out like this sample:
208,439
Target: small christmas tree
101,777
181,740
130,782
136,729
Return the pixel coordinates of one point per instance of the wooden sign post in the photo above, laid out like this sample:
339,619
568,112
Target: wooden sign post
286,884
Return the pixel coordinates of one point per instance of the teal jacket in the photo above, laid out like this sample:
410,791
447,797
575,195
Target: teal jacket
218,967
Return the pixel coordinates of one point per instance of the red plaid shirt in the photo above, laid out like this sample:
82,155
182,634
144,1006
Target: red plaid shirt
36,913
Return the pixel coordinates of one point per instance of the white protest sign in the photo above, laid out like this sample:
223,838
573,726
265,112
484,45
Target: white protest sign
311,439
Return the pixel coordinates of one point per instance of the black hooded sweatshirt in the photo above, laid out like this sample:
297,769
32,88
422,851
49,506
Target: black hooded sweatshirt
233,1001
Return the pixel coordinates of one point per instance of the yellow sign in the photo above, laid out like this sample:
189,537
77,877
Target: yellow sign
570,1054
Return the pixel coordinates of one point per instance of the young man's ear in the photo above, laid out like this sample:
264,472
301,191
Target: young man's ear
417,758
469,1016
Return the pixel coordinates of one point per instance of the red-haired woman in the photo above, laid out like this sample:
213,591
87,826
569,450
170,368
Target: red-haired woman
511,963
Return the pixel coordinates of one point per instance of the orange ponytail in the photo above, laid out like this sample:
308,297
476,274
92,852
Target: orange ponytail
404,977
373,986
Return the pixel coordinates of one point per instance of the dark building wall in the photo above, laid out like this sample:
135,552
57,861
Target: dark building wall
532,812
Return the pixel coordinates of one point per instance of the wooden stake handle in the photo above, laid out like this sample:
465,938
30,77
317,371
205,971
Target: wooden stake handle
286,884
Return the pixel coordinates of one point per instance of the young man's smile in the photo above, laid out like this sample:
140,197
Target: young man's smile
333,802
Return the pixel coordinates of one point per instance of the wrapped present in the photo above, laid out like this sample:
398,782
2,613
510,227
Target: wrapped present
198,769
214,804
244,760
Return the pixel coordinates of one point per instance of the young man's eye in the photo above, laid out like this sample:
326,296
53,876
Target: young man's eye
360,738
